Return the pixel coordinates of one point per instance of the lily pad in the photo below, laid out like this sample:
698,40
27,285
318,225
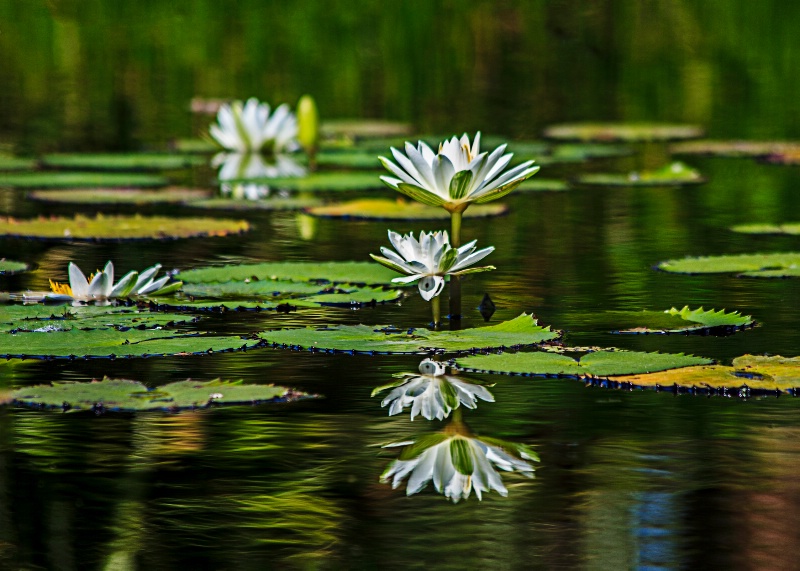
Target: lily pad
358,128
8,267
57,179
686,321
270,203
791,228
117,395
50,318
779,264
518,332
12,163
789,156
121,196
194,146
335,272
627,132
676,174
119,227
251,288
749,375
350,297
734,149
576,153
122,161
325,181
598,363
348,159
387,209
535,184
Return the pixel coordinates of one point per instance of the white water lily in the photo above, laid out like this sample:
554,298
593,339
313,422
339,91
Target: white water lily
457,175
101,286
432,393
458,463
430,259
249,127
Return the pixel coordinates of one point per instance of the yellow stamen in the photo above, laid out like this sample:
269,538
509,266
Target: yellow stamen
63,289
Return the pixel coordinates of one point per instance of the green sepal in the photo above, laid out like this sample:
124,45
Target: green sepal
503,190
459,184
420,194
421,445
389,264
169,288
473,270
461,455
448,260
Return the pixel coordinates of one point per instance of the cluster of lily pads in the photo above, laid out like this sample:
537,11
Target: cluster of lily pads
141,315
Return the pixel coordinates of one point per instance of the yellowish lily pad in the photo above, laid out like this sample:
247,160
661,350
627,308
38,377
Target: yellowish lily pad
368,273
121,196
387,209
734,149
791,228
626,132
8,267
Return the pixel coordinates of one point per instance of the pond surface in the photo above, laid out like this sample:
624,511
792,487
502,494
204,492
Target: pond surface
627,479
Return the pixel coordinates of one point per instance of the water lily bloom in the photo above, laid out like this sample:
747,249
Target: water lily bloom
432,393
249,127
430,259
457,463
457,175
101,286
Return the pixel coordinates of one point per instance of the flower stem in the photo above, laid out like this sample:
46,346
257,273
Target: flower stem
455,281
437,312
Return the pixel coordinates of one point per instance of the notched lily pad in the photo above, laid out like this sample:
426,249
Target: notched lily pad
123,395
8,267
750,375
387,209
119,227
11,163
122,161
55,179
366,273
734,149
686,321
675,174
598,363
626,132
775,265
173,195
518,332
791,228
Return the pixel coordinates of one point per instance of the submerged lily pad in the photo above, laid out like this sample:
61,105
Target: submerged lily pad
56,179
122,161
598,363
675,174
325,181
387,209
686,321
779,264
336,272
629,132
8,267
535,184
120,227
116,395
521,331
121,196
734,149
791,228
749,375
12,163
270,203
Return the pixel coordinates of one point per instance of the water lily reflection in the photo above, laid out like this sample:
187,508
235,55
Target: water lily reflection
458,462
244,166
431,393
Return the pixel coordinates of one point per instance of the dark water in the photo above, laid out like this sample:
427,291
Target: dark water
627,480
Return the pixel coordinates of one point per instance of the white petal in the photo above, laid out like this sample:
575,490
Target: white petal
77,281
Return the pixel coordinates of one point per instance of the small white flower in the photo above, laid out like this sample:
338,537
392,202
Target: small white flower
457,463
430,259
101,286
432,394
249,127
458,175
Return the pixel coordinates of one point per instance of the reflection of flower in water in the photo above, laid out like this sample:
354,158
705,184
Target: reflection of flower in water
243,166
457,462
431,393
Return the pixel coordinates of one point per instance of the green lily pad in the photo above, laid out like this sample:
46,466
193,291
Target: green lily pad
535,184
367,273
350,297
348,159
387,209
12,163
119,227
626,132
52,318
270,203
518,332
749,375
8,267
199,146
685,321
577,153
598,363
791,228
780,264
676,174
532,149
734,149
251,288
117,395
121,196
57,179
325,181
122,161
362,128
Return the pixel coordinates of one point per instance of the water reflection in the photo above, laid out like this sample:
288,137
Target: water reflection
431,393
236,168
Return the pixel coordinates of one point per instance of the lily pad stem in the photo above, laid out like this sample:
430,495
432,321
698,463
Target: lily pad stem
437,311
455,281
